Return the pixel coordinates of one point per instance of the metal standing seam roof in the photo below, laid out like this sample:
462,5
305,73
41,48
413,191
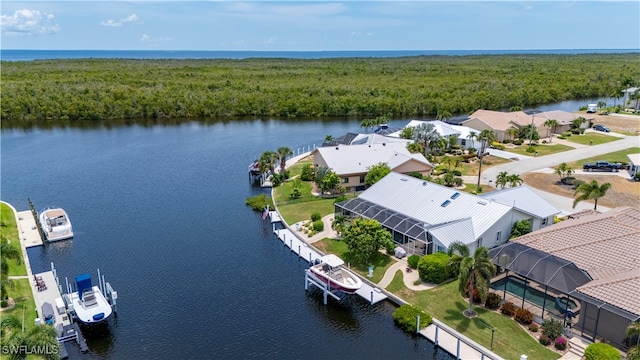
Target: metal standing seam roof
523,199
421,200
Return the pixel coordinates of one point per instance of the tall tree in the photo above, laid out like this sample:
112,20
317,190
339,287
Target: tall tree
443,115
590,191
283,153
376,172
486,137
551,123
472,136
475,271
267,161
425,134
577,122
364,238
512,132
564,171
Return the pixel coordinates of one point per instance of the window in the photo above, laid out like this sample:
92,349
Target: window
544,221
440,249
463,142
345,180
498,236
362,179
478,242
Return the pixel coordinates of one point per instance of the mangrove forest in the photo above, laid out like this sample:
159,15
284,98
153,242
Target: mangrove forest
40,91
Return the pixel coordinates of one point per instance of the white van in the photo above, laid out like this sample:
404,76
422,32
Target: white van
591,108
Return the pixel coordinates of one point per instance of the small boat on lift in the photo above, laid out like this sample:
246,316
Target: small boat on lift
89,303
55,224
329,269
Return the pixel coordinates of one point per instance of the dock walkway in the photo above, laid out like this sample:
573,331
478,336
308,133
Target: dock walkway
309,254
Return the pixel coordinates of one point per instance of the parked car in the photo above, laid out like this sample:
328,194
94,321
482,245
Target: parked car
602,166
599,127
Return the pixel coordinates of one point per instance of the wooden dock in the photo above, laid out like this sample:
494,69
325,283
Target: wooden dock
309,254
28,229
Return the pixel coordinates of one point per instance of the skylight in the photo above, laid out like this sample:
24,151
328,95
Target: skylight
445,203
455,195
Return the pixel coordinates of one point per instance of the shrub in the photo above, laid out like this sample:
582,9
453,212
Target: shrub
561,137
4,303
295,194
544,141
307,173
476,293
561,343
406,316
434,268
523,316
316,216
390,247
544,340
508,309
552,328
601,351
439,170
318,225
566,134
517,142
259,202
531,149
533,327
637,177
506,141
413,260
497,145
276,180
456,172
339,199
493,301
575,131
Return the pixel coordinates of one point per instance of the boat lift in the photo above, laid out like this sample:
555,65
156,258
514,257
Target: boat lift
311,278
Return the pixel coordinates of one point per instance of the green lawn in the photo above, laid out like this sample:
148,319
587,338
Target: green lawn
299,211
542,149
472,168
470,188
21,293
618,156
380,263
446,304
591,138
296,169
10,234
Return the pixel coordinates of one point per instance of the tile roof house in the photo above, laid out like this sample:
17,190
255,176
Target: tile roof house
352,162
606,248
564,119
425,217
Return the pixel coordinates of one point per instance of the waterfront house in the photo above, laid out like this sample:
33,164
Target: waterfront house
352,162
424,217
628,103
590,259
446,130
499,122
564,119
526,205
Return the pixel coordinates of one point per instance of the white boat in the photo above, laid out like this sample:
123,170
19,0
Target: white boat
330,271
89,303
55,224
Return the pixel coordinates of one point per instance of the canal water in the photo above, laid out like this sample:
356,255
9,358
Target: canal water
159,209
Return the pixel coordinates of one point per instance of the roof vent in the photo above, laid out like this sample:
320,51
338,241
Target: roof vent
455,195
424,183
482,202
445,203
384,144
336,148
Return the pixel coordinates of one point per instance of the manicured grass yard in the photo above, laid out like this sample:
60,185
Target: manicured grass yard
470,188
296,169
380,262
23,297
9,232
446,304
593,138
542,149
294,212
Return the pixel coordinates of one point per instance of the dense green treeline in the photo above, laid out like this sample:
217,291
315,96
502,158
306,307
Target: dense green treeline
103,89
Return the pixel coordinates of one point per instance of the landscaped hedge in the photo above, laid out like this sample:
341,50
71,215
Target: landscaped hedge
493,301
601,351
413,261
406,317
523,316
434,268
508,309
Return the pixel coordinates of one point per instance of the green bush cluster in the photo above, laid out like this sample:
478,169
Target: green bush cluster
497,145
406,316
259,202
413,260
434,268
307,173
601,351
517,142
531,149
552,328
560,343
566,134
318,225
316,216
544,340
576,131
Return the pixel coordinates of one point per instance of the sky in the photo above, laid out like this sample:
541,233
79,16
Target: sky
319,25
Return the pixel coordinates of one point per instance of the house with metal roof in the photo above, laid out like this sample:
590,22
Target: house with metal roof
592,260
446,130
424,217
526,203
352,162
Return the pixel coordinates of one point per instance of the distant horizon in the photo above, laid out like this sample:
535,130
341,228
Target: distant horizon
332,50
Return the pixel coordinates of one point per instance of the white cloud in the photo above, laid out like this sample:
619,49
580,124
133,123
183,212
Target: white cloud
147,38
28,22
131,19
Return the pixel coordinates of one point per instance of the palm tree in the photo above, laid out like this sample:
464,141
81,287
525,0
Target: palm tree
39,336
485,137
636,97
328,138
443,115
601,104
476,270
339,222
564,171
283,152
549,124
472,136
615,94
267,161
501,179
425,134
368,123
514,180
577,122
512,132
591,190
